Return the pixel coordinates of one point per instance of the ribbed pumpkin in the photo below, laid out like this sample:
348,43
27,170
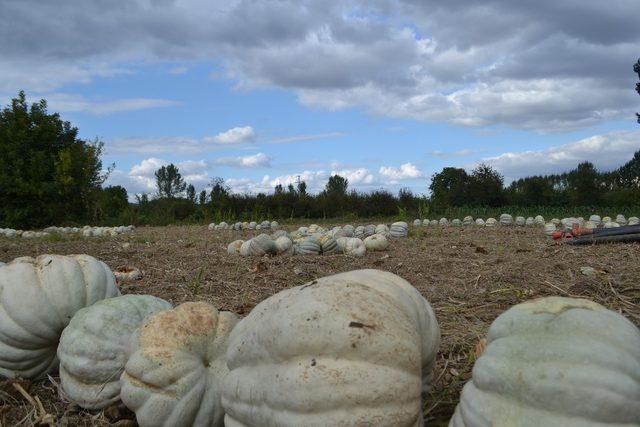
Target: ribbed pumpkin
284,245
549,228
370,230
433,222
467,220
633,220
234,247
38,298
417,223
529,221
328,245
480,222
260,245
506,219
356,348
611,224
354,247
456,222
93,347
359,231
377,242
176,366
348,230
520,221
382,228
398,229
539,220
309,246
620,219
555,362
491,222
443,222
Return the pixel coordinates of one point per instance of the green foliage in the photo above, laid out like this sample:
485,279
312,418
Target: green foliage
336,185
47,174
169,181
111,202
191,193
636,68
449,188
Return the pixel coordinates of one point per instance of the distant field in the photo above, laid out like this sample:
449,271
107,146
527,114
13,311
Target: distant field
469,275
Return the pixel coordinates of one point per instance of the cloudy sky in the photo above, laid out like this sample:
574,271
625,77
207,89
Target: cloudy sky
383,92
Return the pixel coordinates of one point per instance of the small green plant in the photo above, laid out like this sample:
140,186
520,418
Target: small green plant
402,214
196,283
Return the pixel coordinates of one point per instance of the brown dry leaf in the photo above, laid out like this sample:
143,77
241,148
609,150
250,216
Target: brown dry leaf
259,267
7,386
480,347
481,250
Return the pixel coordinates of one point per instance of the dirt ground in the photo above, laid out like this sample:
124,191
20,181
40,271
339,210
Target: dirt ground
469,275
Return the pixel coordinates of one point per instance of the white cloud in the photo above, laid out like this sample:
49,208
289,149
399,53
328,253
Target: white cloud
237,135
259,160
406,171
147,167
300,138
356,177
606,152
64,102
141,177
533,65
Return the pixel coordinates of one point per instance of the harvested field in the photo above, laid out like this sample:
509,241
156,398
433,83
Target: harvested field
470,275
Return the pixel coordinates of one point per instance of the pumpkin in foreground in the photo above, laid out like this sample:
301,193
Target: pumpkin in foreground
176,365
555,362
38,298
356,348
93,347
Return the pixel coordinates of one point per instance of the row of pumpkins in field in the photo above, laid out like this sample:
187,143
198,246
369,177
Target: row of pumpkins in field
86,231
253,225
352,349
316,240
594,221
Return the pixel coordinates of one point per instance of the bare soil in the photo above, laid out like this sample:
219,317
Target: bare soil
469,275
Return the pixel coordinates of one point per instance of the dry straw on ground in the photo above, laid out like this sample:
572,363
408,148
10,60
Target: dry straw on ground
470,275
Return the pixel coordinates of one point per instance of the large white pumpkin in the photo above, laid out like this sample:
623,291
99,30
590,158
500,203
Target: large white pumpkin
355,348
176,366
377,242
353,246
38,298
555,362
93,347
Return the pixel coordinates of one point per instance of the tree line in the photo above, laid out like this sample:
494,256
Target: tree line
49,176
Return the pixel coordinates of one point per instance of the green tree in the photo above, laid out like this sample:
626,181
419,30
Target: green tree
628,176
583,185
191,193
202,199
169,181
636,68
450,187
219,190
111,202
302,188
47,174
486,186
337,185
